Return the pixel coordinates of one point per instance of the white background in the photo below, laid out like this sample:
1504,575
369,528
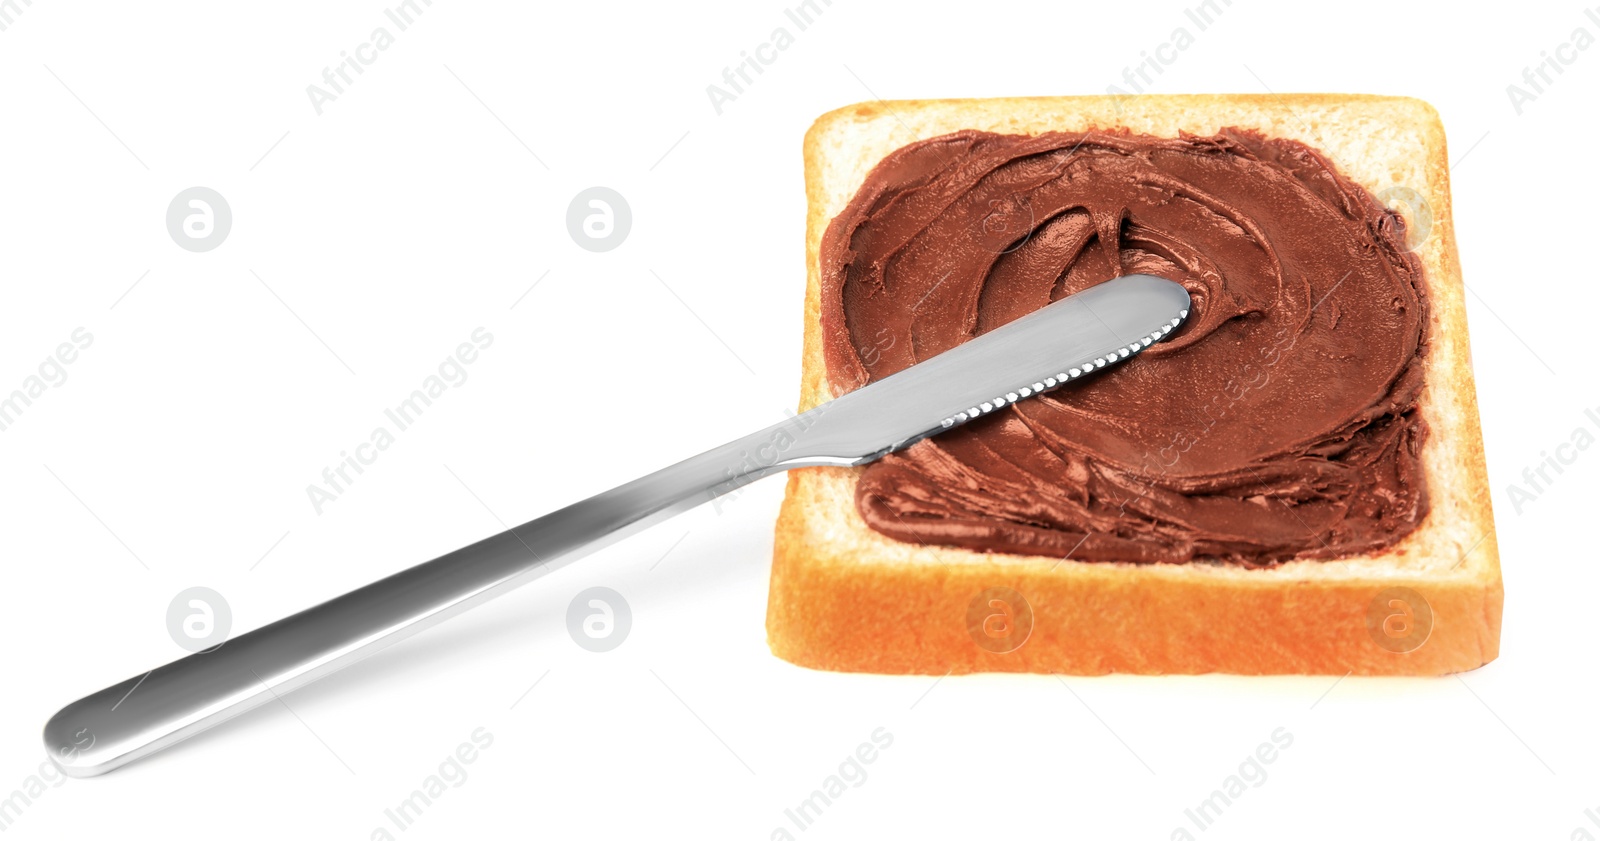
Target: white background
428,198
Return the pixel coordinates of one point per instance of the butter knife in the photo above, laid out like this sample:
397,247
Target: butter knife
1062,342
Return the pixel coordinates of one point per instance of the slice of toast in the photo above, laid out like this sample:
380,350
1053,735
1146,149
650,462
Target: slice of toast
847,598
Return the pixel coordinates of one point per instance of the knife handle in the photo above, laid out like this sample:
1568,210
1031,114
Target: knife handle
166,705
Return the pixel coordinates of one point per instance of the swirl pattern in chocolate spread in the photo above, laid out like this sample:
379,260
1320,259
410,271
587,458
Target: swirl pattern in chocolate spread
1279,422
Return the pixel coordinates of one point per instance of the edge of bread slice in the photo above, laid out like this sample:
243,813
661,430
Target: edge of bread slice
847,598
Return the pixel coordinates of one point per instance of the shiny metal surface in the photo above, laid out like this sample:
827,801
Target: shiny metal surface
1068,339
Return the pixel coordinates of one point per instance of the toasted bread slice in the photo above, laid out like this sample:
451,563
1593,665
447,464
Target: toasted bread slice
847,598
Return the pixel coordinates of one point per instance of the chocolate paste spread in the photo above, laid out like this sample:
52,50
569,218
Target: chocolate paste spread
1279,422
